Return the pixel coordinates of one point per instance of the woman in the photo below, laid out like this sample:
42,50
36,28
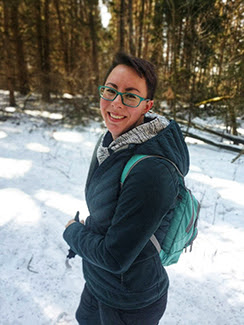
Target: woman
125,280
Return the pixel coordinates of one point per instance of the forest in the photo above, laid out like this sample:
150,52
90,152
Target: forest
52,47
53,56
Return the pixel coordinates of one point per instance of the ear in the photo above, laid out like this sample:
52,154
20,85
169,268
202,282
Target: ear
148,106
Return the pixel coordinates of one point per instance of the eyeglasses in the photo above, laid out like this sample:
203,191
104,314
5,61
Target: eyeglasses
128,99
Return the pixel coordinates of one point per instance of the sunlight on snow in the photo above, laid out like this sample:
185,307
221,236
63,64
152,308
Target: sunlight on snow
194,168
68,136
193,141
10,109
3,134
11,129
49,310
227,189
10,168
89,144
67,96
62,202
4,92
37,147
52,311
18,207
209,258
53,116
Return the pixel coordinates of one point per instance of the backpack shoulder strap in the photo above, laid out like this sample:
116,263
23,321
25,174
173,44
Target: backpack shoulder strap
172,163
181,178
133,161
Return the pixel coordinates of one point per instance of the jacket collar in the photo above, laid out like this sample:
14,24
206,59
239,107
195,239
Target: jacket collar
152,125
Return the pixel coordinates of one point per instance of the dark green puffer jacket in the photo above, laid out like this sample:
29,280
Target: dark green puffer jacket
121,266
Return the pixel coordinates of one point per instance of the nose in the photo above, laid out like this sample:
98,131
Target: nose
118,101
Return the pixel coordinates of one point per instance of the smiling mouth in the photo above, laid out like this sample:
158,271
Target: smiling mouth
116,117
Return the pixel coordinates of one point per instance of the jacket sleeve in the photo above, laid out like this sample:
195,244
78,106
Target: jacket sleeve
147,194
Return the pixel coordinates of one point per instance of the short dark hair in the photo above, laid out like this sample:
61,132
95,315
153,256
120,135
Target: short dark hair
144,69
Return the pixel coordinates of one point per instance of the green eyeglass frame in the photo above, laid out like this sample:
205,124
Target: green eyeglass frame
121,95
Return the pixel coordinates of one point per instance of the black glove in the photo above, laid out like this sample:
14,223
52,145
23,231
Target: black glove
72,254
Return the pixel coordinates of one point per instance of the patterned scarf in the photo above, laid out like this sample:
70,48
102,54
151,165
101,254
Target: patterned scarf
139,134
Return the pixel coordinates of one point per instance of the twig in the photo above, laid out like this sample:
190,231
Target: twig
201,201
212,142
238,156
29,268
215,209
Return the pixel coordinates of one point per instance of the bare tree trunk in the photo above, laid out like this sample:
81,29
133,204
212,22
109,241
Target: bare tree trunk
9,69
174,54
93,33
141,27
46,51
19,49
148,14
232,117
131,30
157,56
63,39
42,29
122,26
221,60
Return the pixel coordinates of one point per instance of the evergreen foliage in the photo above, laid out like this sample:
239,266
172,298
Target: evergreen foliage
53,47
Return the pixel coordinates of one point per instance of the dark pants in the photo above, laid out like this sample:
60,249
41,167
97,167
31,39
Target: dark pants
93,312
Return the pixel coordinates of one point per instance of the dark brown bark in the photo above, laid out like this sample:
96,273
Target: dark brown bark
122,26
42,30
94,40
141,24
131,29
232,117
63,38
46,56
223,135
19,49
212,142
8,63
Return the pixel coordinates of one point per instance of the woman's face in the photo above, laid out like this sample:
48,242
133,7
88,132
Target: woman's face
118,117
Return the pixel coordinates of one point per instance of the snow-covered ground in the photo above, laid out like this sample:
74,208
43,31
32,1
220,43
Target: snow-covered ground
43,170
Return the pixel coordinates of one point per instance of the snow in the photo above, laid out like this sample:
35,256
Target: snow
43,170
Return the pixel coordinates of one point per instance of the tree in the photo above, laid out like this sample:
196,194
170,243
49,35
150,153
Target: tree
131,29
94,39
9,67
63,37
139,53
122,26
43,46
61,46
19,49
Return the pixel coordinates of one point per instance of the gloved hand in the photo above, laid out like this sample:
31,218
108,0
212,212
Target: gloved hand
72,254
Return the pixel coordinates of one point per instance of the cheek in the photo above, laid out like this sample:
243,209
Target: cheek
103,106
136,114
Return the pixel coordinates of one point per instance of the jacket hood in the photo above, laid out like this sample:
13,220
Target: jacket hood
170,144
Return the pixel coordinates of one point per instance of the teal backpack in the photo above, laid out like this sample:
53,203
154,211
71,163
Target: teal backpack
183,226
